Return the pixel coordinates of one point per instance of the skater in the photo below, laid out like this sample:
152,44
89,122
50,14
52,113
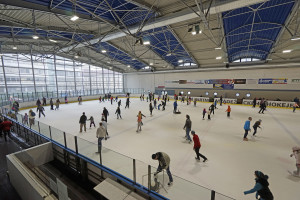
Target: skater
118,112
182,99
79,100
150,108
111,100
82,122
296,153
261,187
158,107
254,102
44,101
212,108
127,103
105,113
188,127
31,117
195,102
263,105
104,123
116,99
175,106
203,113
51,104
163,104
164,163
16,106
119,103
295,106
57,104
100,99
91,119
256,125
208,114
66,100
41,110
228,111
215,104
5,126
247,128
155,102
25,119
147,98
140,122
38,103
100,134
197,146
221,100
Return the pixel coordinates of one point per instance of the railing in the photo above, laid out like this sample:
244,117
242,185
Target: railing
139,173
31,96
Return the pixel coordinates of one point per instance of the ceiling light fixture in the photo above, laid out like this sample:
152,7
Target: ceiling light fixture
219,58
74,18
128,66
15,47
295,38
76,56
287,51
52,40
180,61
269,58
169,54
194,33
35,37
217,48
151,64
103,51
146,43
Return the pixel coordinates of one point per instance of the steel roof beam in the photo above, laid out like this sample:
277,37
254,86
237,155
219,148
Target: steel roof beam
180,16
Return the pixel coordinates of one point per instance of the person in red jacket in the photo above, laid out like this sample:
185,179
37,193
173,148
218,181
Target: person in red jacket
5,126
197,146
228,111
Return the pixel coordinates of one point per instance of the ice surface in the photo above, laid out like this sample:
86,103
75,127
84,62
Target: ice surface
231,161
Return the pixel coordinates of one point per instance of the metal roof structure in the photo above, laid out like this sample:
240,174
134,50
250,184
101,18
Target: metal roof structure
153,34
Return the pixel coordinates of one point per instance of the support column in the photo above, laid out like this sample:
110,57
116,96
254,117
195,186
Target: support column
103,80
90,79
5,82
55,75
74,74
33,75
114,82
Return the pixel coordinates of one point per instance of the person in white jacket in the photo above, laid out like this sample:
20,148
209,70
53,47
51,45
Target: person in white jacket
100,134
296,153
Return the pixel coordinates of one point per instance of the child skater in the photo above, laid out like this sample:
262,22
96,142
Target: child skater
228,111
203,113
256,125
208,114
92,121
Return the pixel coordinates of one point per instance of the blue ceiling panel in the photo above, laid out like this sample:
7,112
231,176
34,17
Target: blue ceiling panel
120,12
116,54
251,31
165,44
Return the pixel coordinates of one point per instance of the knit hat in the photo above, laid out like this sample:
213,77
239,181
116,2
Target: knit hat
192,132
259,174
153,156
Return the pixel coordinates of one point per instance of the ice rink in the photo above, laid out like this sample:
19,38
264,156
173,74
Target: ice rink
231,161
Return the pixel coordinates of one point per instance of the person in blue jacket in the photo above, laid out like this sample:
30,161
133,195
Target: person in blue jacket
175,106
261,187
247,128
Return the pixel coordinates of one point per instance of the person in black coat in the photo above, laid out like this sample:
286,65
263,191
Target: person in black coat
118,112
105,113
261,187
82,122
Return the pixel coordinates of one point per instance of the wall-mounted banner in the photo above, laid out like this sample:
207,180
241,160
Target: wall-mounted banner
283,104
226,100
272,81
202,99
297,81
224,86
239,81
219,81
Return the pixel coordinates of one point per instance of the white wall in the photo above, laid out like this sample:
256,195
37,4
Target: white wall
149,81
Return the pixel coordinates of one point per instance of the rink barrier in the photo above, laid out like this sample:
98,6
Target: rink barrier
39,138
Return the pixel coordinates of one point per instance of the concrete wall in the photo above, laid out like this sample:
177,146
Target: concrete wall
149,81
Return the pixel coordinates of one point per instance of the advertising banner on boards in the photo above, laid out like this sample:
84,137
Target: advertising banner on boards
272,81
282,104
226,100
